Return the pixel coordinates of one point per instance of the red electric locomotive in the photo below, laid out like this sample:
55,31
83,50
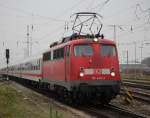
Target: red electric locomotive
82,66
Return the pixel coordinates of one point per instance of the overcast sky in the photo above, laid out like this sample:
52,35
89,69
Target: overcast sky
132,18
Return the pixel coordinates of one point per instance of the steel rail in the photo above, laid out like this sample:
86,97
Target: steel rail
138,85
124,111
137,81
139,96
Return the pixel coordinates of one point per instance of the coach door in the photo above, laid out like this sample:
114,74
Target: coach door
67,63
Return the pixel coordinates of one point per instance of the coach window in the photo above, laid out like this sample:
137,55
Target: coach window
38,64
83,50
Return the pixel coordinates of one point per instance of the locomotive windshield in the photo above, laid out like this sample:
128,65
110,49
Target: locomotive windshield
108,50
83,50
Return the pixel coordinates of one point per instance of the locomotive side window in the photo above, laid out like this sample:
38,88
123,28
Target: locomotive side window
58,53
83,50
108,50
67,51
47,56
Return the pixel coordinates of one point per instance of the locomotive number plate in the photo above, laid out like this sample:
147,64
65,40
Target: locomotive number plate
89,71
98,78
105,71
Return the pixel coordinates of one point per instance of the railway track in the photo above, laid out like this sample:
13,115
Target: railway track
139,94
111,111
137,81
137,84
107,111
139,88
124,111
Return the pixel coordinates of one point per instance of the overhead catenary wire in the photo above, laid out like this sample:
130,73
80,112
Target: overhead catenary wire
44,38
138,7
122,11
99,6
90,4
134,29
72,7
31,13
50,33
38,15
130,27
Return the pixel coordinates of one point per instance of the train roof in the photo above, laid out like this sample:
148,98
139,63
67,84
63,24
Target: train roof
80,40
89,40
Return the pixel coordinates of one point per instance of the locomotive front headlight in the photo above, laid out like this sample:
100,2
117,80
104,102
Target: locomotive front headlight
95,39
81,74
112,74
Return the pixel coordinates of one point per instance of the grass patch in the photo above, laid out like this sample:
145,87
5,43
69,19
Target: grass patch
11,103
14,105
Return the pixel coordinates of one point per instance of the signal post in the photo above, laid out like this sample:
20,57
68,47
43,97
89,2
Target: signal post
7,61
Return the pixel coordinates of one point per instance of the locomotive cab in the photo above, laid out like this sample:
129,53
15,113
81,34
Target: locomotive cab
95,68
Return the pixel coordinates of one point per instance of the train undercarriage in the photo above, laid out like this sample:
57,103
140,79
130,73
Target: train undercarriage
82,94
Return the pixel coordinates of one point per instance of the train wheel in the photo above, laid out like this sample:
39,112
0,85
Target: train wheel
67,97
105,100
80,99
